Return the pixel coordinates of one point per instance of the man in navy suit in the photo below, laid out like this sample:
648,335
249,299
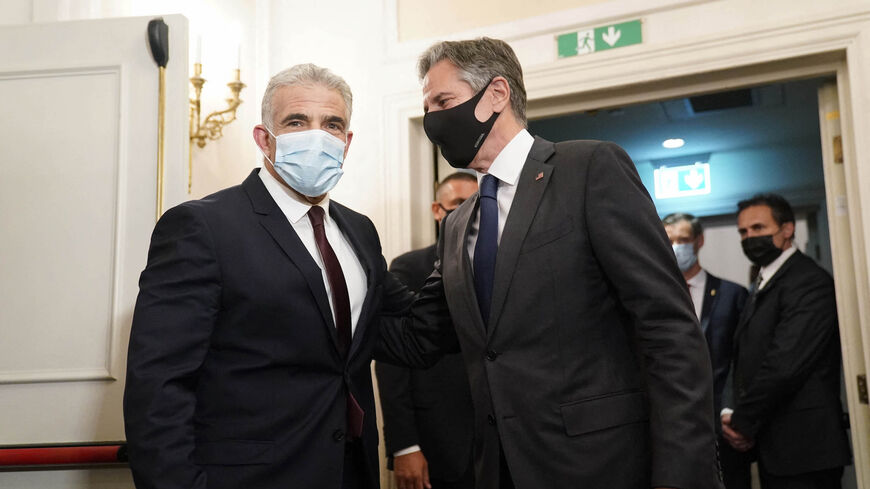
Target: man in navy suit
254,329
718,304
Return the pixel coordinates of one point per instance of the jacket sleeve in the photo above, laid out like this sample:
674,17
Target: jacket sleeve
734,315
722,356
394,388
632,248
420,337
807,325
179,297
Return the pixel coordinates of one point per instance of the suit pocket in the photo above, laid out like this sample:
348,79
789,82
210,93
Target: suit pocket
600,413
546,236
234,452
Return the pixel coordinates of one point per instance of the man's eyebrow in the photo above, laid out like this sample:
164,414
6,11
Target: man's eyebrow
334,118
440,95
294,117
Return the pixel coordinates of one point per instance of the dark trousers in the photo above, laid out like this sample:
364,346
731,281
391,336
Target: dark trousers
464,482
354,475
821,479
736,466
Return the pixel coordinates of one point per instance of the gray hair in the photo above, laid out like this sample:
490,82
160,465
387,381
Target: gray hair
479,61
673,218
304,74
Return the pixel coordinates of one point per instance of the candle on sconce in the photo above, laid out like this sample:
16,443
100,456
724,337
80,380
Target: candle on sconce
197,56
239,56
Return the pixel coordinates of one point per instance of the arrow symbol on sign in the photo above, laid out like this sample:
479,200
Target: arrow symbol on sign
694,179
612,36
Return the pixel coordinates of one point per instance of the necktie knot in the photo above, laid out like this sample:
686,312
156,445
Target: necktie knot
489,186
315,215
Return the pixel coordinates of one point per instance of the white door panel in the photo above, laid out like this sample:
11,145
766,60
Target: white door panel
852,336
78,146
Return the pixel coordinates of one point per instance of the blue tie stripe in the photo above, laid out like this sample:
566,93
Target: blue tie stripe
487,245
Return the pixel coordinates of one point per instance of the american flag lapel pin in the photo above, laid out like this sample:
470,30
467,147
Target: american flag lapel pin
540,176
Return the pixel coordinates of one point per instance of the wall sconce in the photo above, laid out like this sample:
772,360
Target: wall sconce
212,126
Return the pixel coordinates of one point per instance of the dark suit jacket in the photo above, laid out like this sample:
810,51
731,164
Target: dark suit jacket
432,407
720,313
787,372
234,378
592,370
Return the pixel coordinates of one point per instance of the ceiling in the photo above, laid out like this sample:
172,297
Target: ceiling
778,113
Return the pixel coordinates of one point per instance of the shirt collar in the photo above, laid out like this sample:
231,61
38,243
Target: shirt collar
699,280
292,205
508,165
767,272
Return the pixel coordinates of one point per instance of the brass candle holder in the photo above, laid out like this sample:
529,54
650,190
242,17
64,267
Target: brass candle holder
210,128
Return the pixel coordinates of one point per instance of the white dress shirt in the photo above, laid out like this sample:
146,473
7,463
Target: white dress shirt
296,211
767,272
697,284
506,167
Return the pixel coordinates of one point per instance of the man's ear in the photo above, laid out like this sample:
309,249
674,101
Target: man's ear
501,94
788,231
346,146
436,212
261,138
699,243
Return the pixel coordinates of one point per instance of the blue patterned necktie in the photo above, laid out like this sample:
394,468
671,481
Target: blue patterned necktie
487,245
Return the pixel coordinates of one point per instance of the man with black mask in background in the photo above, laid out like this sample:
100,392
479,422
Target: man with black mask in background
787,358
428,413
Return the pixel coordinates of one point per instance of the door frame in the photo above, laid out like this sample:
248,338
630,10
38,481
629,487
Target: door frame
836,45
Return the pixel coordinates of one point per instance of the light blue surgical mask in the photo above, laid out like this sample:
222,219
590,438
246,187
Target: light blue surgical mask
309,161
686,257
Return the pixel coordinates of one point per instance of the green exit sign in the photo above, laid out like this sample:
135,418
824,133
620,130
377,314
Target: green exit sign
599,39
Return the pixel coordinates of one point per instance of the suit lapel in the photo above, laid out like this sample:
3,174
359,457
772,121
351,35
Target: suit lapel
755,299
366,258
276,224
458,228
530,189
711,289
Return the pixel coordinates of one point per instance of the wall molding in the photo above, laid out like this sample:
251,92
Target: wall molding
545,24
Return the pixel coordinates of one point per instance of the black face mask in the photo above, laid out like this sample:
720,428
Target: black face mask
760,250
458,132
446,210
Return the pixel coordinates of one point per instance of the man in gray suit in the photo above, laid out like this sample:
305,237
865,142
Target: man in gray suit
585,360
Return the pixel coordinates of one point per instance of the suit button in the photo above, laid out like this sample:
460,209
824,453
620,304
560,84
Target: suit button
338,435
490,419
491,355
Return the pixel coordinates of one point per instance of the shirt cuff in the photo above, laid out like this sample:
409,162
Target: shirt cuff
726,411
405,451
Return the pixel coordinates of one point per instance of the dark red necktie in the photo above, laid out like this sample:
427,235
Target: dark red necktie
341,304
